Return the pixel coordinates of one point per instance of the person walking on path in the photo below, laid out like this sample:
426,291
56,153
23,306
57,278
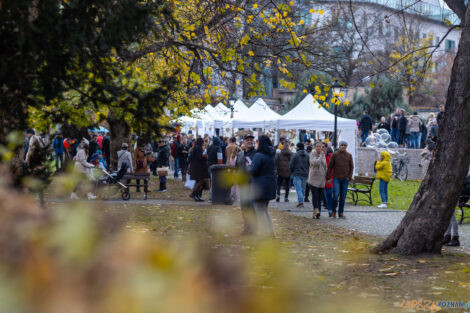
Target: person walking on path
328,191
384,174
163,161
299,165
440,115
383,124
198,169
185,146
263,171
82,166
175,149
232,151
365,125
243,164
283,158
58,145
308,149
140,162
317,177
214,157
415,129
341,169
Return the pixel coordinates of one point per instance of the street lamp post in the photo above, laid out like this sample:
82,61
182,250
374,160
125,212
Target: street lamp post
231,102
336,90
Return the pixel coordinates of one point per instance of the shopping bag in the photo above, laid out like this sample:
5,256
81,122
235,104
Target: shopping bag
189,183
162,171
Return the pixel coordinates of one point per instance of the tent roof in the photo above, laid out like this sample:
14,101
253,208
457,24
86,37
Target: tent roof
220,107
257,115
308,114
239,107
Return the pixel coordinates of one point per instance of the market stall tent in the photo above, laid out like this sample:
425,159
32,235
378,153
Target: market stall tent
239,107
257,116
309,115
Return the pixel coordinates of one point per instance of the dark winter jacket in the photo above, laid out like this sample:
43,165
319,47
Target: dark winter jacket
299,164
198,165
402,123
365,124
106,146
384,126
213,150
465,194
341,165
58,145
163,159
283,158
263,172
439,117
394,121
92,148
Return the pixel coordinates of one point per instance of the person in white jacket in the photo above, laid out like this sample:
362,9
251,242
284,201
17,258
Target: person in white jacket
82,166
124,156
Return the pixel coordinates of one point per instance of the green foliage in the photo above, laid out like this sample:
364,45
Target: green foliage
55,50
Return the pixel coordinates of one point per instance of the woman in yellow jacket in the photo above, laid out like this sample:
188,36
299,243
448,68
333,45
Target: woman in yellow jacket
384,174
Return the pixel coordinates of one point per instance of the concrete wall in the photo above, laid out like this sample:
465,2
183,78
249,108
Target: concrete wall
367,156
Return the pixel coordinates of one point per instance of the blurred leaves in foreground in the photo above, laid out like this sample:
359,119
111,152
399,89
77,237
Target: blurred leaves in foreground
73,259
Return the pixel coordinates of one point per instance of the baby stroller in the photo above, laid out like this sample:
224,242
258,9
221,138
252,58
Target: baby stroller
114,181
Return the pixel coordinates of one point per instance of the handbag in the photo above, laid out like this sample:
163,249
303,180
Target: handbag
162,171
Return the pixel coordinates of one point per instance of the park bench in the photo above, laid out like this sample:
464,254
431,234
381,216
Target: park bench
463,203
144,177
361,185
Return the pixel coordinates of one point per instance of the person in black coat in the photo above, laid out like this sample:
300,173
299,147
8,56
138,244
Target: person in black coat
198,169
263,172
213,150
106,148
402,124
383,124
93,146
365,124
163,160
243,163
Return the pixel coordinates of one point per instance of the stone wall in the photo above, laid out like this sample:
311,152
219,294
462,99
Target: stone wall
367,156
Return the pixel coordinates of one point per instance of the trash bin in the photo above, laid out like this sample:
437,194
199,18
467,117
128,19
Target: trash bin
221,184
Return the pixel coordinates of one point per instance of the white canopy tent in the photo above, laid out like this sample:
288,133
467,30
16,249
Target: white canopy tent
258,115
309,115
239,107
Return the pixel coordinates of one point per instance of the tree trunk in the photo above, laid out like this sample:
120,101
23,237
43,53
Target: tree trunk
120,132
423,226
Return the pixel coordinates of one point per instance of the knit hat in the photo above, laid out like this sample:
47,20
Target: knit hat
124,145
94,157
342,142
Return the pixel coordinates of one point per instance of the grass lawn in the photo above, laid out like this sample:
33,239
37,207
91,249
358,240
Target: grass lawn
400,194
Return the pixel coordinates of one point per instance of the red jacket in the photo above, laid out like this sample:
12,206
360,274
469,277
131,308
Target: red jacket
330,185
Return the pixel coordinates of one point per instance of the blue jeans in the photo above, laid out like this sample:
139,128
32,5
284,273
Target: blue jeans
395,134
340,190
299,183
59,158
177,163
414,140
383,190
418,142
329,199
364,135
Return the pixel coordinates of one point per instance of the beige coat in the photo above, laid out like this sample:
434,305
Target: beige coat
317,170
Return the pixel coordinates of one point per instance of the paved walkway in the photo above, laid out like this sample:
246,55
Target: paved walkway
366,219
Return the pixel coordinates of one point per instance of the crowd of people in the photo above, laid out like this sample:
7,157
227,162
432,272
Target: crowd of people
407,130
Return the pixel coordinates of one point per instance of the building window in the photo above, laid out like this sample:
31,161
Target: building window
450,45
